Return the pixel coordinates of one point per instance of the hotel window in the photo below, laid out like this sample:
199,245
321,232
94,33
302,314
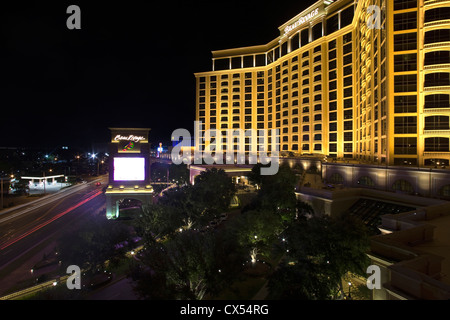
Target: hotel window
317,31
437,144
260,60
333,137
405,104
333,126
304,37
332,106
347,48
437,79
348,81
348,136
222,64
347,16
348,103
332,116
437,123
436,36
332,45
284,48
248,61
348,114
348,125
436,14
347,38
405,21
405,41
348,59
405,125
317,147
236,62
332,24
405,62
332,54
404,4
405,83
332,95
437,101
348,92
437,57
348,147
332,75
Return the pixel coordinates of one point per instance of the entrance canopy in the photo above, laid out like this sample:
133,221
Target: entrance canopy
42,178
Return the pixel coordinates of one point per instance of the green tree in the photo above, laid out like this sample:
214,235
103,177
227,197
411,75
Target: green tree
325,249
255,232
190,266
179,173
208,197
157,222
93,244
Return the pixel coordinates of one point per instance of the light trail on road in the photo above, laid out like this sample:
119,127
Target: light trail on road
91,196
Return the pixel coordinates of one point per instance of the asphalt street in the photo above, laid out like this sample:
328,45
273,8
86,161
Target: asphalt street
29,231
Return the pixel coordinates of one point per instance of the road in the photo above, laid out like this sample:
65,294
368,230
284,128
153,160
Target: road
30,231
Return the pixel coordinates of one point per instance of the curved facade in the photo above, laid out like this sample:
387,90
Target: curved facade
366,80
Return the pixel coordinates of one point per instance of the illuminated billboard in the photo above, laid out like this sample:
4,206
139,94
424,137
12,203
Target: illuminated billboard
129,169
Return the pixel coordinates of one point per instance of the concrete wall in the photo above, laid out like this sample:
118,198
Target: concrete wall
424,182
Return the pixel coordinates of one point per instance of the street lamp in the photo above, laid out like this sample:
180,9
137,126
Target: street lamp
349,287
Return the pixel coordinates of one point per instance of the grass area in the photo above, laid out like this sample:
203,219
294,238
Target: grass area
245,288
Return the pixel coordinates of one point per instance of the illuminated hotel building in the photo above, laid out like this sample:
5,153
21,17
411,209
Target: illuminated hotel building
342,81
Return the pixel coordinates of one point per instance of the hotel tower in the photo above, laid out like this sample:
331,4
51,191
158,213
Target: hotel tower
367,80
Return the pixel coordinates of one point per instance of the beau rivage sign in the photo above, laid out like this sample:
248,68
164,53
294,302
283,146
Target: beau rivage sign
129,138
303,19
136,135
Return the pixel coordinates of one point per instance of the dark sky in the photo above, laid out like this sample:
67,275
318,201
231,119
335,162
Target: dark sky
132,64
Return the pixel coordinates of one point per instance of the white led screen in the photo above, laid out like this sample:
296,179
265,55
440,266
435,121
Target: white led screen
129,169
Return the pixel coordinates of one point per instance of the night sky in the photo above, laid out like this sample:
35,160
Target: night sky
132,64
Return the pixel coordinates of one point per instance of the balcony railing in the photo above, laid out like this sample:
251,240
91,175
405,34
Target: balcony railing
436,23
437,110
444,89
437,45
445,132
433,2
436,153
445,66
